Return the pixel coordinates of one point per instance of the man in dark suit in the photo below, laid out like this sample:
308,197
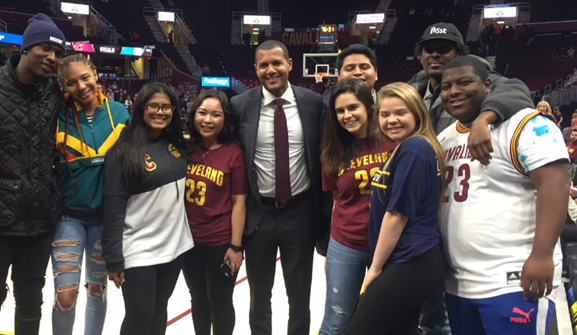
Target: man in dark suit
280,128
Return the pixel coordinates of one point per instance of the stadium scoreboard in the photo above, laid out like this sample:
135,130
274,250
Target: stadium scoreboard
327,34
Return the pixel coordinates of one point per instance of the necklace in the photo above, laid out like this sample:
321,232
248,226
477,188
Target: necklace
210,149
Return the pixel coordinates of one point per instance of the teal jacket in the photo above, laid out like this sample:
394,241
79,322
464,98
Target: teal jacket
86,157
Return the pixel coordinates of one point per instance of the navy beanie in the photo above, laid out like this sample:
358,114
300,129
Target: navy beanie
41,29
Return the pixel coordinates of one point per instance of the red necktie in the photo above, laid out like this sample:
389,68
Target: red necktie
281,149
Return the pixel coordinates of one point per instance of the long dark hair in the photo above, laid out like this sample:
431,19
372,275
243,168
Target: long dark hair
228,133
132,143
339,146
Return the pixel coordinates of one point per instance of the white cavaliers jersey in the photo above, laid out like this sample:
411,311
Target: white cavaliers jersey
489,212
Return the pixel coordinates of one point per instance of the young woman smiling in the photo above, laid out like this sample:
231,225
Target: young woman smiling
145,227
351,155
403,237
88,126
215,205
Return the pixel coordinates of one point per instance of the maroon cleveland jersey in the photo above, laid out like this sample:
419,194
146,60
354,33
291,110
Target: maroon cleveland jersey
350,218
210,181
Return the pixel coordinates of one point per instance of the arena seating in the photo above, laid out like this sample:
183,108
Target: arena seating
17,22
538,65
116,13
210,22
29,6
170,51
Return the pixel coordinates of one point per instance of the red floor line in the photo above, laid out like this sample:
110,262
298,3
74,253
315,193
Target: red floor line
185,313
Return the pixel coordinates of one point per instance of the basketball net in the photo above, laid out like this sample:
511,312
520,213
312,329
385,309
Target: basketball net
319,77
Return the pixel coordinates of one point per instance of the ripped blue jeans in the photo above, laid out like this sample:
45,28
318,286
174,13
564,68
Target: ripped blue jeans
78,231
346,269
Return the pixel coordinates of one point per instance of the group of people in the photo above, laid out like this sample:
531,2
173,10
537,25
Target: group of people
114,92
422,193
119,192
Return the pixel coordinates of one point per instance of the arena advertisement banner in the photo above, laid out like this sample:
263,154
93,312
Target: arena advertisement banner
182,82
83,47
87,47
216,82
74,8
10,38
297,37
311,37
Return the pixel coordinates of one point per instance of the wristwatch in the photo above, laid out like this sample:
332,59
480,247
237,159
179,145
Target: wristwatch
235,248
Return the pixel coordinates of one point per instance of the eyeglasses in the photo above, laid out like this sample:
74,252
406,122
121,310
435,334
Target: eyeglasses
441,48
154,108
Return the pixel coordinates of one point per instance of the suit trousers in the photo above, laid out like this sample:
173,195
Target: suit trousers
290,230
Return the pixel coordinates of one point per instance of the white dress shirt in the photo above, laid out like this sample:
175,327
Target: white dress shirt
264,157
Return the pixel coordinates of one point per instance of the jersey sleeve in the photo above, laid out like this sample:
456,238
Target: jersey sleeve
238,177
409,184
329,183
508,96
539,143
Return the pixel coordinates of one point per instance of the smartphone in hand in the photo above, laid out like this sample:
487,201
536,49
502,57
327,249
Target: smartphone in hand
226,269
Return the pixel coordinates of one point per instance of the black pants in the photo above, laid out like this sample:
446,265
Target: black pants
210,290
392,303
290,230
29,257
146,291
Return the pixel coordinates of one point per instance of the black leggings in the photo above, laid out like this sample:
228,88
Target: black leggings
146,291
392,303
210,289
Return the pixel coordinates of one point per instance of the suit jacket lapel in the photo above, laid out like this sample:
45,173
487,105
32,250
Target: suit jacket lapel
253,116
308,121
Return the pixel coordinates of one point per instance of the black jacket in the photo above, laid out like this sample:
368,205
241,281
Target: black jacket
30,202
508,96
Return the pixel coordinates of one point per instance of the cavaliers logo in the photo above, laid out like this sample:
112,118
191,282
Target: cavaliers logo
174,151
149,165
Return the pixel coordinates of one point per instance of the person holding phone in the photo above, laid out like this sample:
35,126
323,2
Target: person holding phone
216,191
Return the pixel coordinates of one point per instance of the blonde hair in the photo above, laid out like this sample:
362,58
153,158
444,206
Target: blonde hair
423,127
543,102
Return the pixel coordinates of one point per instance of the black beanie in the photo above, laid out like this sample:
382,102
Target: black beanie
41,29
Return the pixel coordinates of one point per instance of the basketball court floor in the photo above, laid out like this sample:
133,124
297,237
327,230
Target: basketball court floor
180,321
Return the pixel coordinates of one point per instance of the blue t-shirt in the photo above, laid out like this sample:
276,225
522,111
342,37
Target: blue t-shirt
411,187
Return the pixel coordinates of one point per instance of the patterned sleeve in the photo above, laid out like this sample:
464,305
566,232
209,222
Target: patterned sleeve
540,143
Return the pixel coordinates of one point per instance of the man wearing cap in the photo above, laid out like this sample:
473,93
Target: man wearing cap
30,204
441,43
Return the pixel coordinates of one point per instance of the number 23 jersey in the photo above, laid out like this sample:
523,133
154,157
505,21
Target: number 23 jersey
489,215
350,217
214,176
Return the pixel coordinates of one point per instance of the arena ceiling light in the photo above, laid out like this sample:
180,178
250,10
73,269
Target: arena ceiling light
370,18
166,16
260,20
74,8
499,12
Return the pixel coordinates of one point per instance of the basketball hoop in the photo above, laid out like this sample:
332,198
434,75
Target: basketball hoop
319,77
